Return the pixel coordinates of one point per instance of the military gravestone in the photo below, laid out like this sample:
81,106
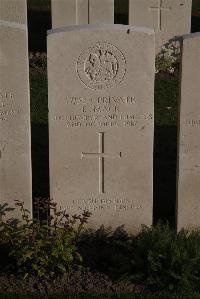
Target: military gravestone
15,149
188,205
169,18
101,94
77,12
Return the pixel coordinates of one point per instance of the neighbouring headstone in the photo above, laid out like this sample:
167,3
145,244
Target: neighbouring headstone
169,18
78,12
15,138
101,95
188,202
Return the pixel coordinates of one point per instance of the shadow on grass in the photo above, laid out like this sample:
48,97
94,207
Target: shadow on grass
106,251
38,24
165,156
40,160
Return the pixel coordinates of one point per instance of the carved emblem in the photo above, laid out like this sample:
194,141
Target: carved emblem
101,66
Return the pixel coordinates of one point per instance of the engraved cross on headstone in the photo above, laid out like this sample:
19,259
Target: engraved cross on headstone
159,9
3,144
101,156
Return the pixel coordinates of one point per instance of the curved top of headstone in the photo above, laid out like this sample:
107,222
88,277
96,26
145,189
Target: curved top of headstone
128,28
13,11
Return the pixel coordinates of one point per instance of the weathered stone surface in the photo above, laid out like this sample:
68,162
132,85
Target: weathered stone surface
15,149
101,94
169,18
101,12
78,12
63,13
13,11
188,205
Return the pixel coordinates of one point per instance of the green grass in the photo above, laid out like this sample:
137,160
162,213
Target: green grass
39,98
166,102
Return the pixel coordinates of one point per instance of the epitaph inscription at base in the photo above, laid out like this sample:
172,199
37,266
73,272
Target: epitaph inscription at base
101,91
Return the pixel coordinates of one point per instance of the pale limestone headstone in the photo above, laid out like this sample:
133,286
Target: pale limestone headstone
13,11
15,139
188,202
78,12
101,94
169,18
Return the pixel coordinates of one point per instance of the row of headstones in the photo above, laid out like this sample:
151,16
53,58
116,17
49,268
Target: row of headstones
101,119
168,18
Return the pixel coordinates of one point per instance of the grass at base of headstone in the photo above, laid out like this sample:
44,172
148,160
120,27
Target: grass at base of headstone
165,155
166,101
40,160
40,144
39,98
129,296
165,147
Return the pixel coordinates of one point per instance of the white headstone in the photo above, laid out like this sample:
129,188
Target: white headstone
188,202
15,138
77,12
169,18
101,94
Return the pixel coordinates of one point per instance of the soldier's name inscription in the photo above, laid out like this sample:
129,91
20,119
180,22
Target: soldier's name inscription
110,111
